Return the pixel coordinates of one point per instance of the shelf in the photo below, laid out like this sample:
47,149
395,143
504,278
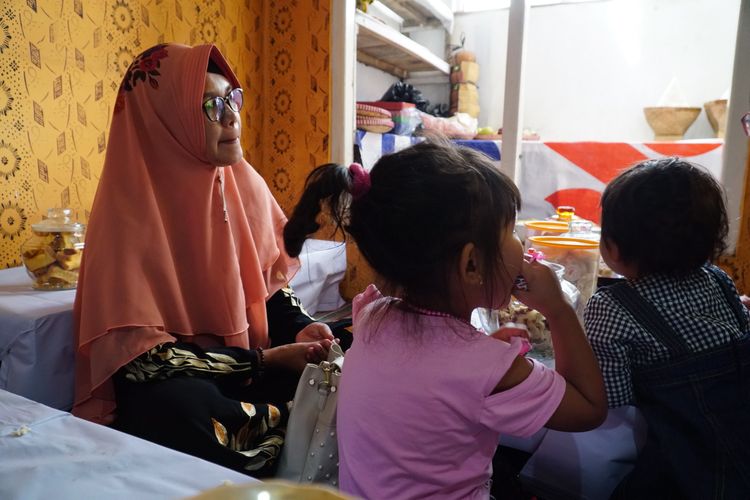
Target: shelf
382,47
422,13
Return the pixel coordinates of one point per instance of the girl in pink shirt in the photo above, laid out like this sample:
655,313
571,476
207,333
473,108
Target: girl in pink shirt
425,396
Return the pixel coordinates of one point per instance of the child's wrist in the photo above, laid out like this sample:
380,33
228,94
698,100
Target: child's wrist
559,312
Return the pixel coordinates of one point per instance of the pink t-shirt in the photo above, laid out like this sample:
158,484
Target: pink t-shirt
416,417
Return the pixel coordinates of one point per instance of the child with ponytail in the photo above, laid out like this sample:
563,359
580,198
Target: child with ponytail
425,396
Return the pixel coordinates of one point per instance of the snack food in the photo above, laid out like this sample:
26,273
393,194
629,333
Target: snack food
535,323
52,256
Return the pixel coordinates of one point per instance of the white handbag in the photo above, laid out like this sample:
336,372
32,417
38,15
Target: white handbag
310,452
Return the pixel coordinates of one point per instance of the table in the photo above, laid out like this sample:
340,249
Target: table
36,340
64,457
37,352
571,465
562,173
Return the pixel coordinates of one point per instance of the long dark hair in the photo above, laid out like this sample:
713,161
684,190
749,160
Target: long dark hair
425,203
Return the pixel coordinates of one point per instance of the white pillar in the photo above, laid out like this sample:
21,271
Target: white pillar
343,64
735,143
510,153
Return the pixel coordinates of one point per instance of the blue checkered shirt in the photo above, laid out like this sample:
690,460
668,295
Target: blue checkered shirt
694,306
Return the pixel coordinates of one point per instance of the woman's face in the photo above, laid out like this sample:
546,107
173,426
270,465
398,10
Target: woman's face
223,146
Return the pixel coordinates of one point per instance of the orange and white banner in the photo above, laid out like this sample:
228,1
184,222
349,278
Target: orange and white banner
575,173
563,173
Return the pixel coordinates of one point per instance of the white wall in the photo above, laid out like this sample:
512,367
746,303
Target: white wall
591,68
372,82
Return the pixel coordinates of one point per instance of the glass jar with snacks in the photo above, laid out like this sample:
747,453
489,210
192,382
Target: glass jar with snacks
52,256
579,256
540,337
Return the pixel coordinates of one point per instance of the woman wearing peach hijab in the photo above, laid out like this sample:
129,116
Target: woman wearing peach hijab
185,273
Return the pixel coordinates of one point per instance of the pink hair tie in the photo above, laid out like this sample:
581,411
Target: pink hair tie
360,180
533,255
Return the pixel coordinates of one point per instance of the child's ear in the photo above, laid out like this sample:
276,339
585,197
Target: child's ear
611,248
614,260
468,265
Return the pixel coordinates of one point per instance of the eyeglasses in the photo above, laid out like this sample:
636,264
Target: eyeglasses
746,123
215,107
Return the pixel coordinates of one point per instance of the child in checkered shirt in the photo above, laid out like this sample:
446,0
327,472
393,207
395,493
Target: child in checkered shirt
673,338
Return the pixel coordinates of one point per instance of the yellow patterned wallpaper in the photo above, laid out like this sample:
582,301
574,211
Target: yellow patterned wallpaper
61,62
290,82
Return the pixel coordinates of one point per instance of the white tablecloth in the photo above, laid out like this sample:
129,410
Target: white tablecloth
36,340
582,465
63,457
37,355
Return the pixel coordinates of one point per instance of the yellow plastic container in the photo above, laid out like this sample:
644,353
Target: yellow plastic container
542,228
579,256
546,227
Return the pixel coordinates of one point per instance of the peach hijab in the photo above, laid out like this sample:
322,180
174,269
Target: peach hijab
162,261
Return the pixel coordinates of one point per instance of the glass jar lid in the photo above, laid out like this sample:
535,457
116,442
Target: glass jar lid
58,220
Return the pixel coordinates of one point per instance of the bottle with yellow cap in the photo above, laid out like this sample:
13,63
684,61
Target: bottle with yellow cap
566,213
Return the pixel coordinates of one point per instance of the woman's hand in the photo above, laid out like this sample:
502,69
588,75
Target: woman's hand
745,301
314,332
295,357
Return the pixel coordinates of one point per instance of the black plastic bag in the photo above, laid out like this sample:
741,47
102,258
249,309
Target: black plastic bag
405,92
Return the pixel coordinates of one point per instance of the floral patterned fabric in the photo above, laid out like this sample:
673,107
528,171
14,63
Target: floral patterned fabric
219,416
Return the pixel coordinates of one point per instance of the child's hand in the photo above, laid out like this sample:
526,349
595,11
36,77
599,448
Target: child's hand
318,351
510,330
745,301
544,293
294,357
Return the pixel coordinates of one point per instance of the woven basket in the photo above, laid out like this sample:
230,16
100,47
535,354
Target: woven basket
717,116
670,123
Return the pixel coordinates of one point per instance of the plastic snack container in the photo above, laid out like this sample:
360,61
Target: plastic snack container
579,256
